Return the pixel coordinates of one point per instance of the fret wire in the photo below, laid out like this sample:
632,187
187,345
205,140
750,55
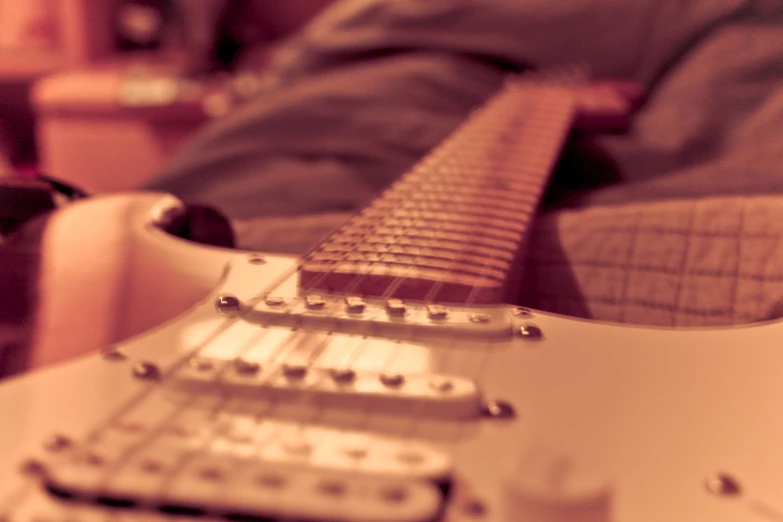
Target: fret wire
525,134
136,400
471,298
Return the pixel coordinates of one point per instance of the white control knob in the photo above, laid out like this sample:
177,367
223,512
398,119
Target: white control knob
547,487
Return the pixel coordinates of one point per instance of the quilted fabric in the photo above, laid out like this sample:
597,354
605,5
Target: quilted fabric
691,262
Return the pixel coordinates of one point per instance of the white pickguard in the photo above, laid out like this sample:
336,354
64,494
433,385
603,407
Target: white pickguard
651,413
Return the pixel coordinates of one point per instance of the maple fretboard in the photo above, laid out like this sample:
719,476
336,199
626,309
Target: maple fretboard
452,229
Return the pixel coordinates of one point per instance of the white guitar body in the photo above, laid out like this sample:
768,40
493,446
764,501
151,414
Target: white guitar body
609,422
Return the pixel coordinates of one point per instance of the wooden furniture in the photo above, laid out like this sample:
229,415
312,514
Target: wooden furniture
82,35
92,135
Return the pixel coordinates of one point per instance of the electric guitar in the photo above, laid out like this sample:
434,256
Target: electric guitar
380,378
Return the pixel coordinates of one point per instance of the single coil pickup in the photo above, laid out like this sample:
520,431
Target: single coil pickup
160,449
383,262
387,243
420,396
398,235
378,249
403,282
229,488
375,318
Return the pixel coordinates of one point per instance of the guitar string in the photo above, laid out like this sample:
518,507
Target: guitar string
438,150
153,435
137,399
433,292
449,352
213,428
482,363
567,106
438,286
415,420
390,290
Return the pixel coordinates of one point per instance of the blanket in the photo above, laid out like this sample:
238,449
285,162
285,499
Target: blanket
370,86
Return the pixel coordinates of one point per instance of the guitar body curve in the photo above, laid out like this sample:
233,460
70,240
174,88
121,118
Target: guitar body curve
651,415
106,271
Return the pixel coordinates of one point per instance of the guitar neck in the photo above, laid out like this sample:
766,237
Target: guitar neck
453,228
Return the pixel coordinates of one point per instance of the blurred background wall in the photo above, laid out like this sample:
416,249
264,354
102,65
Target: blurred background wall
41,39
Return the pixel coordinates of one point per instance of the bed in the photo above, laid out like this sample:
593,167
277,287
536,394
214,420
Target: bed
676,223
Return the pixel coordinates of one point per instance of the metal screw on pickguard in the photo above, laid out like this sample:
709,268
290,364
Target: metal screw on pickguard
498,410
57,443
410,457
255,259
32,467
112,353
146,370
201,365
228,304
294,370
151,466
331,488
245,367
212,474
343,375
521,311
474,508
93,459
441,384
394,495
530,332
392,380
269,480
723,485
